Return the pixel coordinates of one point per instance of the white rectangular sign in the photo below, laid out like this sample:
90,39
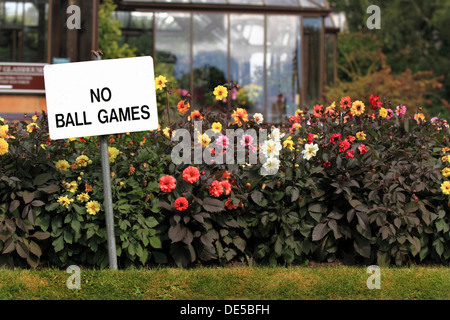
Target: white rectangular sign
100,97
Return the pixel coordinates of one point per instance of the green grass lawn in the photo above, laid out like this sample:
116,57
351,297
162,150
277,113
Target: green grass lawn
229,283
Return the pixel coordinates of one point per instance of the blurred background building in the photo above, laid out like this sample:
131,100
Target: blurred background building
282,53
34,33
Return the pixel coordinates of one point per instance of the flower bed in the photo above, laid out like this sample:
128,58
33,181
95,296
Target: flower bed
359,184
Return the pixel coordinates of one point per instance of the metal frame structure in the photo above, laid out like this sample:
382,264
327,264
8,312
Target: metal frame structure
227,8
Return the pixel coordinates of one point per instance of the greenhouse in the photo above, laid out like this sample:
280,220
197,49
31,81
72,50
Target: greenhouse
280,53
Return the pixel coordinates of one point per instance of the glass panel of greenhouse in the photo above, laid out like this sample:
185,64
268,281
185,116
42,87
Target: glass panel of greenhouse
279,52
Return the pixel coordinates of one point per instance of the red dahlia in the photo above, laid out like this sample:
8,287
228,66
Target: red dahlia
215,189
226,175
335,138
318,111
346,102
229,204
226,187
310,138
349,154
167,183
181,204
343,145
362,149
191,174
375,102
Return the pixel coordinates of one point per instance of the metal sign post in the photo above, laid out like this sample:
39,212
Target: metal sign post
106,175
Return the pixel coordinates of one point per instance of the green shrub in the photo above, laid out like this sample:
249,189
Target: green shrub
365,186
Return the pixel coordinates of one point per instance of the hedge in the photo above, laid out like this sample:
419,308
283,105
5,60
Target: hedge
350,182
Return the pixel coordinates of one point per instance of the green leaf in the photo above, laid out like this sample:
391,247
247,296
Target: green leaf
139,250
22,249
278,247
33,260
383,258
58,244
333,226
35,249
10,226
32,216
219,249
411,207
278,195
40,235
438,246
407,125
319,231
415,244
231,223
316,216
14,205
52,207
350,214
68,218
144,256
49,189
28,196
441,225
317,208
257,196
44,222
362,246
151,222
76,226
288,255
10,245
227,240
131,249
181,255
155,242
293,192
363,220
230,254
41,179
123,224
90,232
68,238
426,215
124,208
37,203
21,224
78,209
240,243
423,252
160,257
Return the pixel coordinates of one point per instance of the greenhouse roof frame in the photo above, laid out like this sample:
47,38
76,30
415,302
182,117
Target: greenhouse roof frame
296,7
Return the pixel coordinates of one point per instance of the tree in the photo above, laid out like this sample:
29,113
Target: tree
414,35
110,35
